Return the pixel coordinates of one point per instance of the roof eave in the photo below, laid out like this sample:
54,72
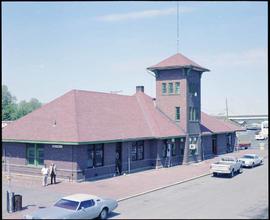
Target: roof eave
178,67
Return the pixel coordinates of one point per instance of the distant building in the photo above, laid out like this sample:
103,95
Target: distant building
93,134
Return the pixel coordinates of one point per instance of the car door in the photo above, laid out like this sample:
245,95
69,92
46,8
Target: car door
87,210
257,160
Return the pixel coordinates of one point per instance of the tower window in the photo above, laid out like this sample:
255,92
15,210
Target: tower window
193,114
170,88
177,88
193,89
164,88
177,113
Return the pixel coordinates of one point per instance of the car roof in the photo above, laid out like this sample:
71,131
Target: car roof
80,197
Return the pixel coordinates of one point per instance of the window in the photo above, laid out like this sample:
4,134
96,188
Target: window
40,154
170,88
137,151
177,113
173,146
193,89
182,146
193,114
164,88
229,139
30,157
35,154
95,154
164,150
177,88
67,204
90,155
86,204
99,155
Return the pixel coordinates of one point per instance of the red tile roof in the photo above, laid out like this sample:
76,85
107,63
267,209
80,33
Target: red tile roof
210,124
83,116
176,61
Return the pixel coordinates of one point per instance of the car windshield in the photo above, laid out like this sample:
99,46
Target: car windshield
248,156
67,204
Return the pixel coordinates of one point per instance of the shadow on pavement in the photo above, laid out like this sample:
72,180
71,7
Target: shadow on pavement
26,207
113,214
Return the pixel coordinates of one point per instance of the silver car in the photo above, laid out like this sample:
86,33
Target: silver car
76,206
251,160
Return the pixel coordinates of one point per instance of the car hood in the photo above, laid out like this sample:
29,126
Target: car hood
246,159
51,213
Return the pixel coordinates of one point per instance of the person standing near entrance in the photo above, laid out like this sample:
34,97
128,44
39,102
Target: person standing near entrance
117,162
53,173
44,172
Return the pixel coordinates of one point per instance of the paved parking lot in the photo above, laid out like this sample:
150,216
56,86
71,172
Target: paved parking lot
245,196
35,196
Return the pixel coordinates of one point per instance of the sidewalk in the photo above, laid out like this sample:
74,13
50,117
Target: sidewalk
129,185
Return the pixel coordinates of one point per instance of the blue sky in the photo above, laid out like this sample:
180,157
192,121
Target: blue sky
51,48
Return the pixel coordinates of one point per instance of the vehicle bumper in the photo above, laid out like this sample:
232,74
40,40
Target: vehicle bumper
221,171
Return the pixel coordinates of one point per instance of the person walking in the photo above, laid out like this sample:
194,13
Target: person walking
53,173
44,172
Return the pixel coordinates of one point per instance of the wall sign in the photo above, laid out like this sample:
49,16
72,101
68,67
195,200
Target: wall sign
57,146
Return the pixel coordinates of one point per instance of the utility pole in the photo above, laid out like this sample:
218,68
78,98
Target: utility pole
226,109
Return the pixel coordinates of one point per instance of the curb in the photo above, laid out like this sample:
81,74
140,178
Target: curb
167,186
163,187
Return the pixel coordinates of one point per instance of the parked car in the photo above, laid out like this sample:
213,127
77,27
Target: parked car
259,136
76,206
251,160
226,165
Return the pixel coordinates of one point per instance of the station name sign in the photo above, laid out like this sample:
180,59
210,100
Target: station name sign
57,146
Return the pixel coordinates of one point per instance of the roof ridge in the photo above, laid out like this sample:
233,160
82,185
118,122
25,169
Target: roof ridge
76,116
107,93
144,115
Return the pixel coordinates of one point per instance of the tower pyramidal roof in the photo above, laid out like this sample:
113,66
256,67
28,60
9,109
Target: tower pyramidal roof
177,61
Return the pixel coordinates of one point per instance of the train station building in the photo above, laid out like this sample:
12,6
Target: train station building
91,135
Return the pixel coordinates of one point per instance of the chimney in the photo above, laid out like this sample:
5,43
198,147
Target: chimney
139,88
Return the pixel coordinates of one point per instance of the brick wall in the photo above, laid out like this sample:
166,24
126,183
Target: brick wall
167,103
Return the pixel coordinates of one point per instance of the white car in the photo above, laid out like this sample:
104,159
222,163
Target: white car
259,137
226,165
251,160
76,206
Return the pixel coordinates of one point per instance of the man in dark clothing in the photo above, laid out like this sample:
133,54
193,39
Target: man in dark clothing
53,173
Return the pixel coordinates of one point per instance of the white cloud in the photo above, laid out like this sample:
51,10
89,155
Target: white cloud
143,14
249,58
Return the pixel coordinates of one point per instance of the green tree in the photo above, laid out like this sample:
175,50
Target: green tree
9,107
11,110
25,108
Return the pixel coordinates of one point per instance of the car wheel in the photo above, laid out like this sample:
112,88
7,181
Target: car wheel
103,214
252,165
232,173
214,174
240,170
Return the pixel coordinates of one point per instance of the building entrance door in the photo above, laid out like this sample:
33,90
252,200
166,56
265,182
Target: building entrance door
118,158
214,144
